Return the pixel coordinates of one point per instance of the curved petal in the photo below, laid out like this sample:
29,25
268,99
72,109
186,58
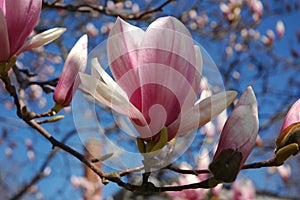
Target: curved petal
41,39
123,41
201,113
21,17
99,72
68,81
241,128
168,42
4,41
112,97
292,116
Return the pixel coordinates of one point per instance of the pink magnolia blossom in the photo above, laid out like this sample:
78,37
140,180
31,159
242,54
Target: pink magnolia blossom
243,189
290,127
68,81
240,130
156,79
293,115
17,21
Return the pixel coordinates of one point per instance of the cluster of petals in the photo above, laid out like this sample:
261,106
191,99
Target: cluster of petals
156,79
17,21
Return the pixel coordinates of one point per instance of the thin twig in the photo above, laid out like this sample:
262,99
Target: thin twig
87,8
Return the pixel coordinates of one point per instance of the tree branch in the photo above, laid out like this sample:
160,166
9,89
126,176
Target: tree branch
87,8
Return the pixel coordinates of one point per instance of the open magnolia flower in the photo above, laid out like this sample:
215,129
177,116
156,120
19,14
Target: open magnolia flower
156,79
17,21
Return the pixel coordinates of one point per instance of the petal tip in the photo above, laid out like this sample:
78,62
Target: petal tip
248,97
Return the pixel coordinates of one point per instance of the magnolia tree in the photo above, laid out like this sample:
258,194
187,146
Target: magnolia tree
155,97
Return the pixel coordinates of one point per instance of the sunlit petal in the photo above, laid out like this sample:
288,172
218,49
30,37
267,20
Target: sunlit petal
201,113
68,81
4,41
292,116
21,17
41,39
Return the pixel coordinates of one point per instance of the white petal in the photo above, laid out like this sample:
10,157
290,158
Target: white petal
202,112
109,96
123,39
41,39
99,72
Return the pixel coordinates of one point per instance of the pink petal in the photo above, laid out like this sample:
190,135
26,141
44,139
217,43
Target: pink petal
241,128
41,39
68,81
167,70
168,42
201,113
122,44
161,91
292,116
21,17
4,41
3,6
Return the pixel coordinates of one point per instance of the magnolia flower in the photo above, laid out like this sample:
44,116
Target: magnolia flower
290,130
238,138
156,79
293,115
17,21
68,81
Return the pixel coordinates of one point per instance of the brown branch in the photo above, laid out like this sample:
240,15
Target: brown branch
87,8
157,9
131,170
